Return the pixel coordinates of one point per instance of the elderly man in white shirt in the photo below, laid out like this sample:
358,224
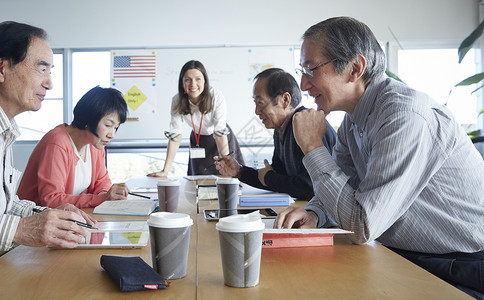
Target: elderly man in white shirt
25,65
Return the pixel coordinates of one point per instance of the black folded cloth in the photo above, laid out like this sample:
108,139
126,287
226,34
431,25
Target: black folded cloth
132,273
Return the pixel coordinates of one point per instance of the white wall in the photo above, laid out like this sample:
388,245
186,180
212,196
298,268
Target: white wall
195,23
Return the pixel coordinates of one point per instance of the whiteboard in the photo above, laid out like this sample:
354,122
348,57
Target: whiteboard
230,70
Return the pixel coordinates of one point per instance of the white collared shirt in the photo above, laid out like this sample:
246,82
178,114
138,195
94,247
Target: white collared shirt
10,206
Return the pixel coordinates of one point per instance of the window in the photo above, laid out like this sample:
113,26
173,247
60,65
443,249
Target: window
436,72
34,124
89,69
128,163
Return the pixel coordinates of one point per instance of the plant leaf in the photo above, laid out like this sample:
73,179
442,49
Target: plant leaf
471,80
393,75
477,89
469,41
474,134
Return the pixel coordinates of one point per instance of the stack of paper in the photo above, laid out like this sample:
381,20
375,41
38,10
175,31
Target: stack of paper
207,192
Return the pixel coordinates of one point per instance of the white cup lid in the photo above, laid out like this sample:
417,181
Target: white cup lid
169,220
227,180
240,223
168,182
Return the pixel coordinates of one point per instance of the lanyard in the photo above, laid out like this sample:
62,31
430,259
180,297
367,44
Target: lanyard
197,137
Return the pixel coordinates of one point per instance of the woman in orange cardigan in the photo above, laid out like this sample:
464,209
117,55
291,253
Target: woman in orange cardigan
68,163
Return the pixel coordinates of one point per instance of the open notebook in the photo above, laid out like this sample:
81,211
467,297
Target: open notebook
133,206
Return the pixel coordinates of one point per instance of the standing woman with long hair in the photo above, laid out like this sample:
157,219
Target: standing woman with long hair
204,109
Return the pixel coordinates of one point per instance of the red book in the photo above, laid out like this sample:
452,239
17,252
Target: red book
314,237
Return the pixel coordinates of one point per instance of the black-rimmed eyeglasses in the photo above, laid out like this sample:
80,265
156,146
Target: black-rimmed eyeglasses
310,71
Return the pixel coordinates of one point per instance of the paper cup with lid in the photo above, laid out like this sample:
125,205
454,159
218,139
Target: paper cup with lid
228,193
240,238
168,194
170,241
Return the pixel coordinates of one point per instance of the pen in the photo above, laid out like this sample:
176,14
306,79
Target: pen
82,224
39,210
142,196
231,152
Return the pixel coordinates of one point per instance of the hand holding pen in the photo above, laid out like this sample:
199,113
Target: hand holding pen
53,227
218,159
67,207
227,166
118,191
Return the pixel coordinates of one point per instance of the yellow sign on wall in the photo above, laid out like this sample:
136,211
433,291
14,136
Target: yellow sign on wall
134,98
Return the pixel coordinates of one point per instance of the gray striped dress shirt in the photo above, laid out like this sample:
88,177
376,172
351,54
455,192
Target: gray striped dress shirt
403,172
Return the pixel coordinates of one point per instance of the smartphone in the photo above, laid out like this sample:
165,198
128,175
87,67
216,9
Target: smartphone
215,214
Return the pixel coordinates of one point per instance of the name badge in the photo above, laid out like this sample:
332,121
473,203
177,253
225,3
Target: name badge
197,152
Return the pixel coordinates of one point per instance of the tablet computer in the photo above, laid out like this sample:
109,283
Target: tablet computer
117,234
215,214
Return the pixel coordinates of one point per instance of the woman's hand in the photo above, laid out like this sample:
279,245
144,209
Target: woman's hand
118,191
162,174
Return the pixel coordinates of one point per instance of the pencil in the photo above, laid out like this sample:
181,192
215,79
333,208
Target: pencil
142,196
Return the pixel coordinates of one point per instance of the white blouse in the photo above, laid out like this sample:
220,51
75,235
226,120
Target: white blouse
214,121
83,171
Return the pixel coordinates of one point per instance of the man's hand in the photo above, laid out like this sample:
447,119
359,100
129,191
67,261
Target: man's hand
295,217
309,128
227,165
262,172
69,207
51,228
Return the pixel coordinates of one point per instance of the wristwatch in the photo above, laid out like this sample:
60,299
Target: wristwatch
39,209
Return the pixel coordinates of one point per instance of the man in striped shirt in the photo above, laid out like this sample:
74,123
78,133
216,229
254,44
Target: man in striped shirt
403,171
25,65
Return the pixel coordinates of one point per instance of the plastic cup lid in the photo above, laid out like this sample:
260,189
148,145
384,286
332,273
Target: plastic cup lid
240,223
168,182
227,180
169,220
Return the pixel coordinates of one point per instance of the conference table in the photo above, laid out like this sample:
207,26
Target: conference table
341,271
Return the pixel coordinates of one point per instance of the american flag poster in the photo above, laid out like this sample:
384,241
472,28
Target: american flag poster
134,66
134,73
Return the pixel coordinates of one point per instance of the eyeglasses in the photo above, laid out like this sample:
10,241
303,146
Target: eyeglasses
310,71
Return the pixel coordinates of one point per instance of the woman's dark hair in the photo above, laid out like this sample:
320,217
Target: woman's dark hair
15,40
96,104
205,102
342,38
280,82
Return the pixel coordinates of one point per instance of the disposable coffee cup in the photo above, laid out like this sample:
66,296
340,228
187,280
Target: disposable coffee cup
168,194
240,238
228,195
170,240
